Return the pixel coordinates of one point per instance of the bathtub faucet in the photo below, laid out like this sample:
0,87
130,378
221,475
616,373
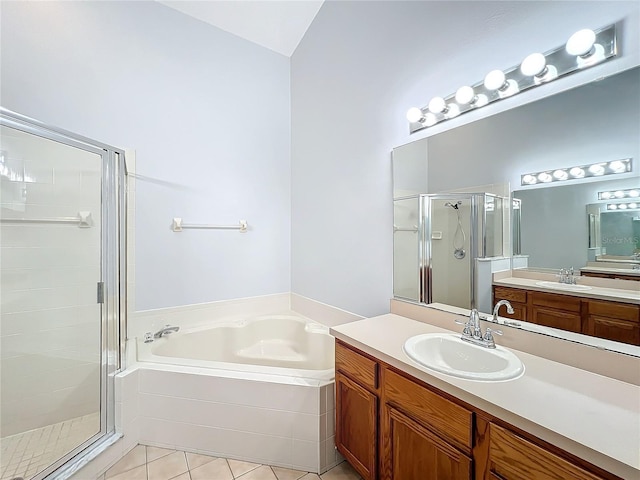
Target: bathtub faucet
165,331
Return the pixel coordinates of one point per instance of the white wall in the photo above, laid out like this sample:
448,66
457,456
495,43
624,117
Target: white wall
357,71
208,114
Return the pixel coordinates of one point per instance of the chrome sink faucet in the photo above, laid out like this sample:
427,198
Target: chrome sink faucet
496,309
165,331
567,276
472,331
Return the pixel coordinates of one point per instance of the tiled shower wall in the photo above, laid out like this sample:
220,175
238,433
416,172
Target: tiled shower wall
50,330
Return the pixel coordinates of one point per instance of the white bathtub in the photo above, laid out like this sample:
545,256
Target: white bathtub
258,389
270,344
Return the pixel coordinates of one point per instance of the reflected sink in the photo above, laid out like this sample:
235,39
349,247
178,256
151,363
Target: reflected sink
448,353
563,286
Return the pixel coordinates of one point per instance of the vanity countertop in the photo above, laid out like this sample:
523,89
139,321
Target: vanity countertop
591,416
597,269
625,295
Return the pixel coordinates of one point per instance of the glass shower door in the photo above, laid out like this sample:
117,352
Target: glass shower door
52,325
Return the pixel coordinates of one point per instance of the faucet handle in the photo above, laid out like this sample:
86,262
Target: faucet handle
490,331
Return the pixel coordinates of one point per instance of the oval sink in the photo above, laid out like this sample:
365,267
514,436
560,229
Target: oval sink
448,353
563,286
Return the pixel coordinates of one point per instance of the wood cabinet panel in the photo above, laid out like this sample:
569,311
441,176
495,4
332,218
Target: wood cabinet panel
514,458
511,294
613,329
567,303
549,317
360,368
451,421
416,453
620,311
357,426
619,276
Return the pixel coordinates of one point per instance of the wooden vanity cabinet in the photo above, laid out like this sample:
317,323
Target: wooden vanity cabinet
391,426
598,318
357,410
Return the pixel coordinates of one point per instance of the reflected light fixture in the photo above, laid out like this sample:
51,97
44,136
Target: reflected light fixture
623,206
583,49
584,171
608,194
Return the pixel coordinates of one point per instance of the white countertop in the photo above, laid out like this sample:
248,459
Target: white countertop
594,417
625,271
595,292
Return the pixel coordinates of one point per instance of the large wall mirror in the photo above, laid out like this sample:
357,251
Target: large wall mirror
561,223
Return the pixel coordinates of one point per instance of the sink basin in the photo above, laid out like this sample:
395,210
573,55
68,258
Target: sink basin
563,286
448,353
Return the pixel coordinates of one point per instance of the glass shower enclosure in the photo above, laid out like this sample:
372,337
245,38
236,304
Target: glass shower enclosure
437,241
62,300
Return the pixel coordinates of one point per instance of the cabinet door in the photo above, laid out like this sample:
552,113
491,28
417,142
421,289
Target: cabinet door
613,329
418,454
357,425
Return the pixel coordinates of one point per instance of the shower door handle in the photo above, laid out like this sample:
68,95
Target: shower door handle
100,292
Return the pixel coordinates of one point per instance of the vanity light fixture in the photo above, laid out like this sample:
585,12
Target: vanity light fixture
630,193
584,171
623,206
583,49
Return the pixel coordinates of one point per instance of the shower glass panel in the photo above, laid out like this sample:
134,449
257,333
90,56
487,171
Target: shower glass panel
56,330
406,248
450,251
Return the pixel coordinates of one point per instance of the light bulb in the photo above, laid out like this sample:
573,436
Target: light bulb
612,207
560,175
633,205
634,193
545,177
534,64
581,43
414,115
437,105
430,119
465,95
618,166
529,179
453,110
481,100
622,206
618,194
577,172
494,80
605,195
596,169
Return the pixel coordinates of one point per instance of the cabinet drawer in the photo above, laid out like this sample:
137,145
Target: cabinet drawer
620,311
560,302
511,294
356,366
515,458
449,420
548,317
613,329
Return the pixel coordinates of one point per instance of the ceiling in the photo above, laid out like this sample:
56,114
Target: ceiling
274,24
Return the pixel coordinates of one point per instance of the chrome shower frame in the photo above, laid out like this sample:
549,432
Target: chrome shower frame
114,274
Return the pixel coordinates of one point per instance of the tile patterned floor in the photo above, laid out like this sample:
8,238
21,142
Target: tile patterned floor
26,454
152,463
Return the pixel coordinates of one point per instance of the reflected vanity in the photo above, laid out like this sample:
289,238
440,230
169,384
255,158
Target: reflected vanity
551,225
